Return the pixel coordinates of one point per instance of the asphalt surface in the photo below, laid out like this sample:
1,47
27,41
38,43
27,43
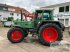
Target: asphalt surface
31,44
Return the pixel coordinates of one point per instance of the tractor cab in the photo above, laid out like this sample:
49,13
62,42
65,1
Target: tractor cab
43,15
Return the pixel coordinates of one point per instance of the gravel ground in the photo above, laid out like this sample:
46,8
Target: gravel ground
31,45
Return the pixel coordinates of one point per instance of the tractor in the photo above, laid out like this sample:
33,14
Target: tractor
43,26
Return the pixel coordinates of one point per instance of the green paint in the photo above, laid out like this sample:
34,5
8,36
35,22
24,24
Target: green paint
45,14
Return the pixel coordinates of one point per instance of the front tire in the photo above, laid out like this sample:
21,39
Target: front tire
49,33
15,35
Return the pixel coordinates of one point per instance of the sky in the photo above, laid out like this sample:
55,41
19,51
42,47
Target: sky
31,5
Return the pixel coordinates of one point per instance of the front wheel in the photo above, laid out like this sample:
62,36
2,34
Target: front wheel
15,35
49,33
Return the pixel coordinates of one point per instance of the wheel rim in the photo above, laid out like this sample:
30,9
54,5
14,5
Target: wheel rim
16,35
50,34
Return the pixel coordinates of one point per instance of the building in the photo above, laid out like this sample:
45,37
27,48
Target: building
11,11
3,9
61,12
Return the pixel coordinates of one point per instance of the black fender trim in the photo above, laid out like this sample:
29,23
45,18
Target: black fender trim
56,22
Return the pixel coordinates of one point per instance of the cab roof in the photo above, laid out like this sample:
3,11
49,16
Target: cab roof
47,9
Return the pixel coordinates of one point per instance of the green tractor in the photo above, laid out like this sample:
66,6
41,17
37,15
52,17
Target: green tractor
43,25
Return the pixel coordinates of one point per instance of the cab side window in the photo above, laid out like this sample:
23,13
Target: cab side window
39,15
46,16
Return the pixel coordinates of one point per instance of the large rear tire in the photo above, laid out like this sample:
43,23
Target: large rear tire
49,33
15,35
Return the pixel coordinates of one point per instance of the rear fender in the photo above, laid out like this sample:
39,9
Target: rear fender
61,26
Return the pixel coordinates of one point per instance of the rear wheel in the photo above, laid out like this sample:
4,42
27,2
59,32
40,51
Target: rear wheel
15,35
49,33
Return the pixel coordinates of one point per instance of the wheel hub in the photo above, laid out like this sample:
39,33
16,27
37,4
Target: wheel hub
50,34
16,35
